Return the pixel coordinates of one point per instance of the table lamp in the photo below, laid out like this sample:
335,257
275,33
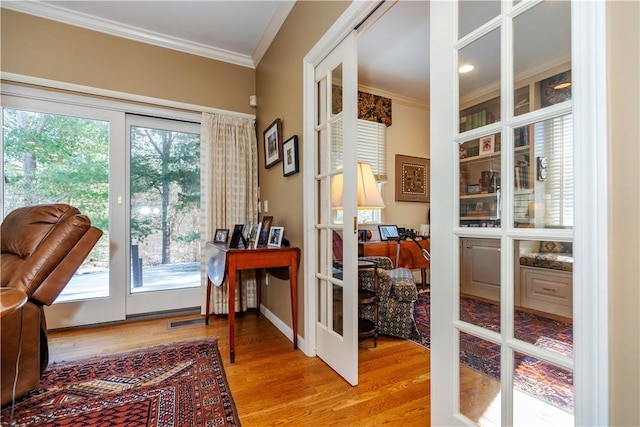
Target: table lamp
368,195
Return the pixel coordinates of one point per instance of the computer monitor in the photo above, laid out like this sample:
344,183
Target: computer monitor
388,232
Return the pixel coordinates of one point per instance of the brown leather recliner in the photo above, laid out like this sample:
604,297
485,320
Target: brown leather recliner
42,247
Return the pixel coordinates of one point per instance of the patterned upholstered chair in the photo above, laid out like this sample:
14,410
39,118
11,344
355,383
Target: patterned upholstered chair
397,293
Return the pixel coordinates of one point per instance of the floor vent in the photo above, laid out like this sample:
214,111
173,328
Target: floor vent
183,323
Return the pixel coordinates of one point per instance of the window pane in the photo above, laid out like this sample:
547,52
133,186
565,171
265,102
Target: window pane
543,393
479,380
480,182
473,14
50,158
543,174
480,282
543,289
165,209
542,58
480,88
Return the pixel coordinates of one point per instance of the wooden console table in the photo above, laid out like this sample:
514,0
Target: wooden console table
257,259
410,255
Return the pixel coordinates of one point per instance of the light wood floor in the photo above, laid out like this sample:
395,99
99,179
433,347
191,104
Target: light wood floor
271,383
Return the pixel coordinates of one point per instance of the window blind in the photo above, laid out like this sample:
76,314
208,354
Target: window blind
372,146
557,135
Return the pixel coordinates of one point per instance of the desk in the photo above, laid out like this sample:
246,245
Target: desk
410,255
258,259
11,299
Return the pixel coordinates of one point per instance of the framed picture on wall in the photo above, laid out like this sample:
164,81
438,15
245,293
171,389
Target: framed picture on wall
273,143
290,153
412,179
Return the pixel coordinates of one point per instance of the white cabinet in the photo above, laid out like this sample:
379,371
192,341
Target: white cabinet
547,290
480,268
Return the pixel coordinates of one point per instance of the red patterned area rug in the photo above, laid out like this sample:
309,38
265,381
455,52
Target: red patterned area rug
177,384
544,381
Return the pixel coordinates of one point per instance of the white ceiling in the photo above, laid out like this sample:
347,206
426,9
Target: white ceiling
393,54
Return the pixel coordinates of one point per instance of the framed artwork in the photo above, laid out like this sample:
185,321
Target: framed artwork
412,179
275,237
290,153
264,233
221,236
273,144
487,144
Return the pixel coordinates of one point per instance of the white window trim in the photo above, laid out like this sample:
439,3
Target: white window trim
120,101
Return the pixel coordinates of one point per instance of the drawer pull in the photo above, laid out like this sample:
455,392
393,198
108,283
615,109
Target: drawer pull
549,289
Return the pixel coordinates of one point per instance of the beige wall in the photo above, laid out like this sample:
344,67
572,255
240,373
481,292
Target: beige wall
41,48
279,83
46,49
624,209
408,136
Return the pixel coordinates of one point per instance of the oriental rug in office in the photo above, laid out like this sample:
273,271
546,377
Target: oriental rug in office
544,381
177,384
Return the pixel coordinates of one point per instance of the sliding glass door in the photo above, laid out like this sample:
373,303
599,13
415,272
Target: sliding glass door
61,153
164,214
137,178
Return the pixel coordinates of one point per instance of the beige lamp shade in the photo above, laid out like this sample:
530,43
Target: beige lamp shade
368,194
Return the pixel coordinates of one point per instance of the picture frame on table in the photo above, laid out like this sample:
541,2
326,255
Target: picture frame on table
255,234
412,179
221,235
290,164
267,220
236,238
273,143
275,237
246,230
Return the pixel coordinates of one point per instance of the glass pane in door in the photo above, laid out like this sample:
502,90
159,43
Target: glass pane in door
542,393
479,380
480,183
165,209
479,82
543,174
542,58
51,158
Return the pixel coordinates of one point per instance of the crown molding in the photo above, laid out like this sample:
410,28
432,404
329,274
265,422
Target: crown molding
59,14
280,15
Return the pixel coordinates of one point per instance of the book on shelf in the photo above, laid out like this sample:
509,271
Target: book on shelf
521,137
521,175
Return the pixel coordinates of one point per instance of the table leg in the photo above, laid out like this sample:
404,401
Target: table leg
293,280
258,289
207,305
232,310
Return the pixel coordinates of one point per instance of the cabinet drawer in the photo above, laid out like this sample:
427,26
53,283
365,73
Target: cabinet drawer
547,290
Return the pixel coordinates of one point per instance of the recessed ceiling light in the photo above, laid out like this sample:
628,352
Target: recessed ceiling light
465,68
562,85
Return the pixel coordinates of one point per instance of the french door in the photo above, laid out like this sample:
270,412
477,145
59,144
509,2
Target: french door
511,143
335,284
136,177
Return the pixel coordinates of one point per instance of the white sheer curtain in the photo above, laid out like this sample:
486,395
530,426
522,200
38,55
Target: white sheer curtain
229,194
